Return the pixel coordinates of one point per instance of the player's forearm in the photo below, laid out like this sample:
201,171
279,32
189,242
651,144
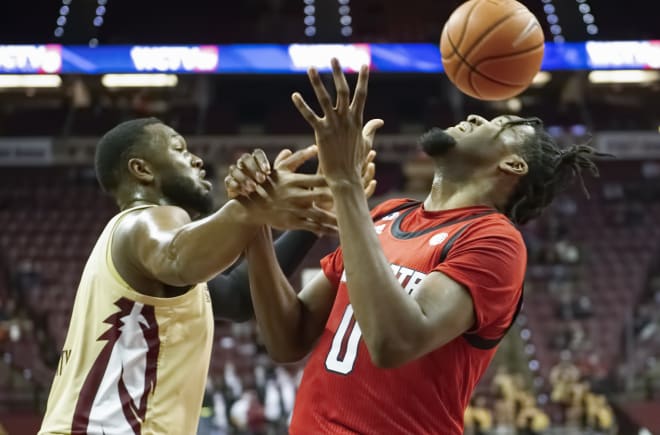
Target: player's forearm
387,316
230,292
278,310
204,248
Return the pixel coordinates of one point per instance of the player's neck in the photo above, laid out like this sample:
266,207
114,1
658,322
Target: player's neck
447,194
135,197
135,203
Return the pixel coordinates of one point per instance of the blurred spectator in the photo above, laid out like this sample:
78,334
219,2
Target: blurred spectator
25,277
595,370
577,335
220,420
600,417
569,335
4,309
565,305
232,381
651,379
5,315
531,420
644,317
247,413
287,380
567,252
562,378
19,325
575,414
503,388
582,307
478,418
273,406
207,424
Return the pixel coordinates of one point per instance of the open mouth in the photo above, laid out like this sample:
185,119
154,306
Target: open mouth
205,182
464,127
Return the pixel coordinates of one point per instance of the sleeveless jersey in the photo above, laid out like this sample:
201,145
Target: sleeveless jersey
343,392
131,363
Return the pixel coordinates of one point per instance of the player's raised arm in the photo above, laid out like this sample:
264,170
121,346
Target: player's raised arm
230,292
291,323
163,244
396,319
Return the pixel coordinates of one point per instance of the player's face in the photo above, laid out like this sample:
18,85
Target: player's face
479,139
178,172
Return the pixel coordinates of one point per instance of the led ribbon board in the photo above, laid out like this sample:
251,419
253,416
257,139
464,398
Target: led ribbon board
296,58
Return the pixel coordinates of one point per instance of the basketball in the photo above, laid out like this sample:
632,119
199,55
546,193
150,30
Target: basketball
492,49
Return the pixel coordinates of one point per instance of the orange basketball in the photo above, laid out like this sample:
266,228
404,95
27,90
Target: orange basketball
492,49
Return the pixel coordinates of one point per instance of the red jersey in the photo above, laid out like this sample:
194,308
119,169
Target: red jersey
343,392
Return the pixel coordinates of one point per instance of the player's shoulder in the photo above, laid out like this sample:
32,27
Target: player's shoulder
143,223
154,217
390,205
496,225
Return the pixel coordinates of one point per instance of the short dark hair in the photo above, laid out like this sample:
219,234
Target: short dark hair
551,170
114,148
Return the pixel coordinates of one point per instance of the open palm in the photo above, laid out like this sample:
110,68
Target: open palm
342,141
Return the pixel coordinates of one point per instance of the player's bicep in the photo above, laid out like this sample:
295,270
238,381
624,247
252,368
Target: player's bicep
145,239
316,301
447,311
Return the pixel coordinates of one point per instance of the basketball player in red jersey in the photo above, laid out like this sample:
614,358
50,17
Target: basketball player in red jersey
407,314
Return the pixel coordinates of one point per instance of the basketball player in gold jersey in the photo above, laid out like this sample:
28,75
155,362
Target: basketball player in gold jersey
137,352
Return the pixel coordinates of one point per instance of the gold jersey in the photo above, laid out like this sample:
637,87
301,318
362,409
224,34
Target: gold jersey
131,363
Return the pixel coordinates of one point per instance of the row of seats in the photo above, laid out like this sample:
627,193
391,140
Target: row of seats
614,262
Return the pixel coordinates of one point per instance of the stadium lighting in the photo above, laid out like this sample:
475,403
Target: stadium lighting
310,18
553,20
514,105
345,18
541,78
30,81
624,76
98,21
62,18
139,80
587,16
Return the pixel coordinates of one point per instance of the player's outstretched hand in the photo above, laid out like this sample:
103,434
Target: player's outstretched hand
342,141
285,199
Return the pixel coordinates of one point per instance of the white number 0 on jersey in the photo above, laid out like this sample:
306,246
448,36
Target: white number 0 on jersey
342,356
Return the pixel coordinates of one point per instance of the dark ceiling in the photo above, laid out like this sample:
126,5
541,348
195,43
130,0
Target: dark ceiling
222,21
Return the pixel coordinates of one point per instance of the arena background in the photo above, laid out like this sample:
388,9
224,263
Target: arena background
586,346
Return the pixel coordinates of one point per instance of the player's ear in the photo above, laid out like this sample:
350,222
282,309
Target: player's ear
513,164
141,170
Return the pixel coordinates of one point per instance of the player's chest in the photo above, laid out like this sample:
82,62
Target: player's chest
420,249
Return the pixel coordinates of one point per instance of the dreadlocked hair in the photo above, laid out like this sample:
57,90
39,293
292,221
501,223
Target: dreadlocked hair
550,171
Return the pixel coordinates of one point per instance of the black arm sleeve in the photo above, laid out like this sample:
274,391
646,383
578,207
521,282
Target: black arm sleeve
230,291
